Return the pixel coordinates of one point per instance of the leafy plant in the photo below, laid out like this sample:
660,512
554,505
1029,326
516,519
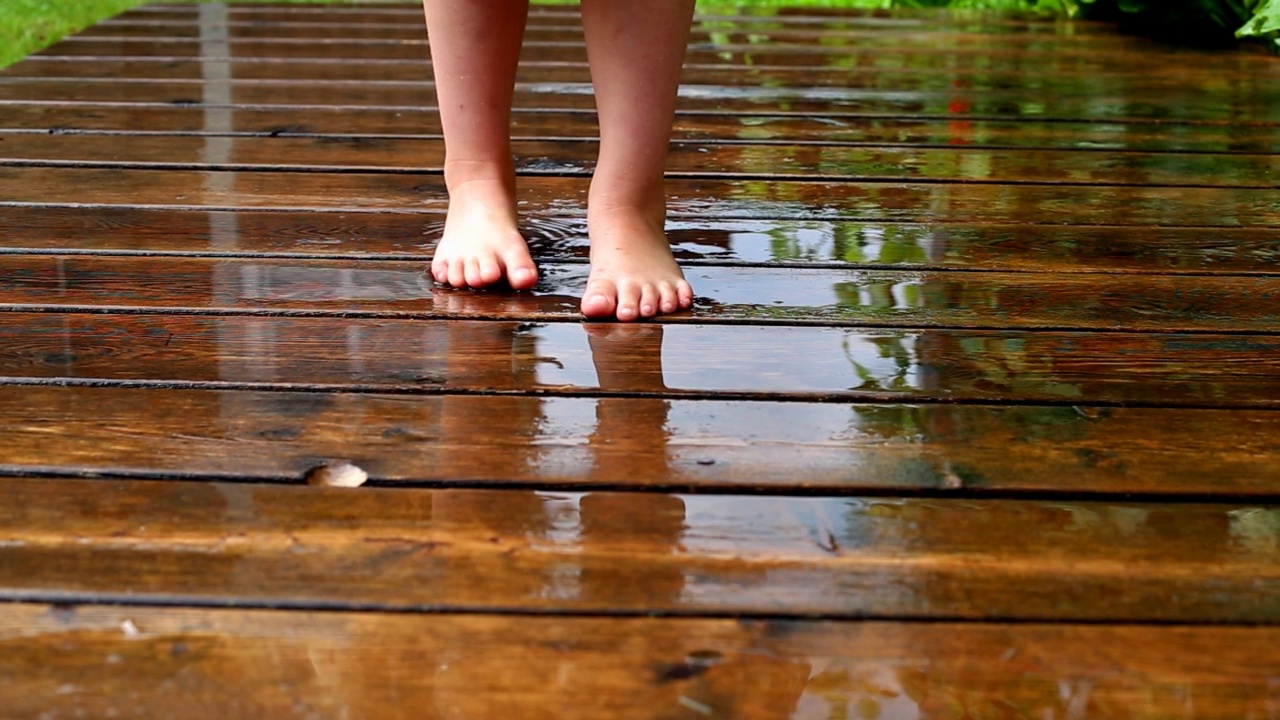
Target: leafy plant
1199,22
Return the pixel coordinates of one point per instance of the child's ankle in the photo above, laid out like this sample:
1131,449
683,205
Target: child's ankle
603,208
461,174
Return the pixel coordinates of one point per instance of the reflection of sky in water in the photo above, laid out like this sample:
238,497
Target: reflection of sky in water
694,428
321,284
761,359
732,92
785,289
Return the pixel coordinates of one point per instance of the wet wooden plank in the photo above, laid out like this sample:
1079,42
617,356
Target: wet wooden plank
978,62
278,664
706,127
877,17
1172,105
568,358
828,72
686,554
934,39
916,246
881,298
691,159
857,19
751,79
566,197
635,442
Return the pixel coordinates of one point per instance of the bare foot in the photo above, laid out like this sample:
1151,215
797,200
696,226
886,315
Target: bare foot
633,273
481,245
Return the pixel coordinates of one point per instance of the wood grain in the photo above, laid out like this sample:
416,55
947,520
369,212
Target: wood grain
685,554
415,123
705,240
1090,103
1064,451
982,370
747,17
726,199
935,39
453,355
552,66
685,159
883,298
260,664
981,63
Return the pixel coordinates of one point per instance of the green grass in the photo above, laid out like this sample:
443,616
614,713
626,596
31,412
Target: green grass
28,25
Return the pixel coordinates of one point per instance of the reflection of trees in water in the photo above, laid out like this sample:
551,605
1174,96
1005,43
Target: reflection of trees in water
900,348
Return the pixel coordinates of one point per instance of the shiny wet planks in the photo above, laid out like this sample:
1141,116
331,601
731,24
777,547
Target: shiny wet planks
975,414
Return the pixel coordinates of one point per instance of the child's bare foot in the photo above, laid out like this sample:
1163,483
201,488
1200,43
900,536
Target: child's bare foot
633,273
481,245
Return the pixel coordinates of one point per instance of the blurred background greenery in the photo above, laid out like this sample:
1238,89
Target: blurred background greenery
28,25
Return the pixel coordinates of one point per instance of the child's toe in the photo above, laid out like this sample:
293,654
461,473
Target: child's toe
649,299
628,302
472,274
684,295
668,301
456,275
521,274
600,299
490,271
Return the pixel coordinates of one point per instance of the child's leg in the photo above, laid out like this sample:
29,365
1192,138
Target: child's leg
636,48
475,45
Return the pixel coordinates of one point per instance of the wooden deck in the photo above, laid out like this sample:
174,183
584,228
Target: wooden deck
975,416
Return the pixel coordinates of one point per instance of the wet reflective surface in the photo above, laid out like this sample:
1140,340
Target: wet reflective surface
684,160
703,240
676,360
982,369
536,551
459,666
771,296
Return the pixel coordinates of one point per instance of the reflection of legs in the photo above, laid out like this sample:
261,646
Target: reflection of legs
630,440
630,444
636,48
475,45
627,358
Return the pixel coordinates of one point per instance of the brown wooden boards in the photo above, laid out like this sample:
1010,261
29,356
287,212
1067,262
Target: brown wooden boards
787,130
983,370
685,159
642,442
418,356
978,64
883,298
697,241
254,663
1116,105
236,544
819,71
724,198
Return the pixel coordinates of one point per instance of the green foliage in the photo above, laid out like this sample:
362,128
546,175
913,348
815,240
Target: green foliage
1197,22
